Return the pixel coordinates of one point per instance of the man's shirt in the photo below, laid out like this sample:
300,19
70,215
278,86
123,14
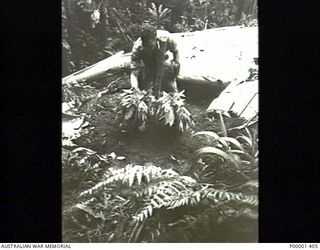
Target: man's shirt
151,59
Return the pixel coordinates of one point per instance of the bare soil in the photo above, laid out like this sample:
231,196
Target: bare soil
158,144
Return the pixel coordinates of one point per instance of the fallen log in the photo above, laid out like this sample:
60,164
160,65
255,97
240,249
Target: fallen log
214,57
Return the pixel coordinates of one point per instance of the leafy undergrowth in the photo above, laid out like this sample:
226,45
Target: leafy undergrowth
160,185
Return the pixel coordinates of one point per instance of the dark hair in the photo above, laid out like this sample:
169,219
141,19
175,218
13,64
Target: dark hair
147,32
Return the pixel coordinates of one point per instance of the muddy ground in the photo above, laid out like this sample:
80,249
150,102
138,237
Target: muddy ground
162,146
158,144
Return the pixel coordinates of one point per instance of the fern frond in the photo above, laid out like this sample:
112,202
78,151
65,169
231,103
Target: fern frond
250,200
174,191
153,10
220,194
154,7
187,197
160,8
131,174
163,13
232,196
161,199
249,213
164,187
158,13
251,183
159,188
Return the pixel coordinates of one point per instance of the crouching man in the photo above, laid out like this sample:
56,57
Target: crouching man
149,65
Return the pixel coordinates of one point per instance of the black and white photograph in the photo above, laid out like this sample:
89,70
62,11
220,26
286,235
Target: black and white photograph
160,113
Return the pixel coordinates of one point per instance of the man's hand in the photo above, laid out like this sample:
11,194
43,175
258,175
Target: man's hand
176,67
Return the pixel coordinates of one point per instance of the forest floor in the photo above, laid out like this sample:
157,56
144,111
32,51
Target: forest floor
158,145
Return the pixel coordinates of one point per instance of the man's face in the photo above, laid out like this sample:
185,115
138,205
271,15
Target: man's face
150,44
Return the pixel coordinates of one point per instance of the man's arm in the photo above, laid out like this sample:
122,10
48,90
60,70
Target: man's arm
172,46
176,55
134,79
135,65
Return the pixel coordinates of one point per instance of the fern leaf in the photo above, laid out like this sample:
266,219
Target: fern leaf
249,213
220,195
163,194
131,178
154,203
147,175
168,189
188,179
145,213
153,6
150,210
252,183
129,113
139,176
153,10
169,173
228,196
138,217
165,12
157,198
96,188
238,197
178,185
198,196
250,199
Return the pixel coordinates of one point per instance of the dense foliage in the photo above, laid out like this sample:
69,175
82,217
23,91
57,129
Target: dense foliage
94,29
137,107
215,193
212,195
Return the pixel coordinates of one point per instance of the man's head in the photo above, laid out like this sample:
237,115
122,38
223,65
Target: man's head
148,34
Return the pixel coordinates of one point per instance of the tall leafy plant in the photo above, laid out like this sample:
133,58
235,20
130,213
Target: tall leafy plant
172,110
139,106
159,15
